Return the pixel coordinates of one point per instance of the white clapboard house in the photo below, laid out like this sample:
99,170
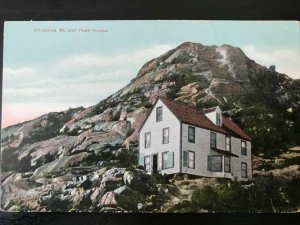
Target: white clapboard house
177,138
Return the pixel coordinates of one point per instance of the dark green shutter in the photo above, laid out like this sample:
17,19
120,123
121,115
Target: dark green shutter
209,163
213,139
185,158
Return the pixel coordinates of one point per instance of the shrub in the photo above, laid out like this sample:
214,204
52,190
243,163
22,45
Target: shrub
183,207
292,191
162,178
55,204
205,198
263,195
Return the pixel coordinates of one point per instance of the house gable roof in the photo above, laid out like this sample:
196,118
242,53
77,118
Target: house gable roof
232,127
196,117
153,106
193,116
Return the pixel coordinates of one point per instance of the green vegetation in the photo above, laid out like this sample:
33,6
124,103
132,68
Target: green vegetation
263,195
271,130
208,104
183,77
101,106
289,162
206,198
144,102
54,122
130,202
162,178
184,57
55,203
134,91
130,132
115,156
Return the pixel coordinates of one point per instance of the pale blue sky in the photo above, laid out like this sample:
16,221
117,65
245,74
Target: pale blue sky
50,71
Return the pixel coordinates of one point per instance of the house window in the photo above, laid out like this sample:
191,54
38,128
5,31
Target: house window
191,134
159,114
167,160
218,119
191,159
147,163
147,140
228,143
165,135
227,164
244,170
243,148
185,158
141,159
213,139
214,163
164,160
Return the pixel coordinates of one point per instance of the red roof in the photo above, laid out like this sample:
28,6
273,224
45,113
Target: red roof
191,115
231,127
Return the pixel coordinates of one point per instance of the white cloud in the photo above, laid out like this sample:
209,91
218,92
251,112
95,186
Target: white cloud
76,80
285,60
19,72
117,60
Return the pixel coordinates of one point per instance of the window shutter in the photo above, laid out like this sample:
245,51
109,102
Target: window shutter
170,160
209,163
141,159
185,158
213,139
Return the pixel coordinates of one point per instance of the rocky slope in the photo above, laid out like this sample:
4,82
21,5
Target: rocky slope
43,159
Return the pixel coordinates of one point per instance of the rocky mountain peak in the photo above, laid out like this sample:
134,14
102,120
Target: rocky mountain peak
58,147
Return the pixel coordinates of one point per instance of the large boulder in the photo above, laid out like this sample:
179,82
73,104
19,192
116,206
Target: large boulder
96,195
114,173
122,127
104,126
122,197
290,171
140,181
81,198
128,177
112,179
26,183
46,151
109,199
110,183
83,122
124,190
58,165
97,140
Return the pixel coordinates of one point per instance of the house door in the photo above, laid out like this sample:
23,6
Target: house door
154,163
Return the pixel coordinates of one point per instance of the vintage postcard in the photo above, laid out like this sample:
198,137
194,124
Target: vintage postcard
151,116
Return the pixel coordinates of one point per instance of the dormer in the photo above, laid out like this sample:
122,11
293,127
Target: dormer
215,115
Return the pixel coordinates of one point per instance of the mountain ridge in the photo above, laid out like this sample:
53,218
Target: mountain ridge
55,146
207,71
